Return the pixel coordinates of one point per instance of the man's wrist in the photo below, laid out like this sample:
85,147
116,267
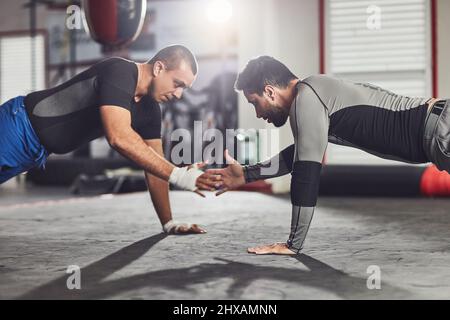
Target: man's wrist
174,227
252,173
245,171
185,177
168,226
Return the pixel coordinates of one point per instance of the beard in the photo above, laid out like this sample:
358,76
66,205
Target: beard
278,116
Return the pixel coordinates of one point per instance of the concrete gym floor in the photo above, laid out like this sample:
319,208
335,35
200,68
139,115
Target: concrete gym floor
117,243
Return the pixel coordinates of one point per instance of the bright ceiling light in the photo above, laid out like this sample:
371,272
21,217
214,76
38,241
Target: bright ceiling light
219,11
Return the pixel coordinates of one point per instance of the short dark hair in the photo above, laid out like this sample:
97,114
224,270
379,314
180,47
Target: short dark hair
262,71
173,55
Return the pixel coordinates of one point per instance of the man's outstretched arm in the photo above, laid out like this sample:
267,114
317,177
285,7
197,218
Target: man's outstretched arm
159,193
121,136
236,175
311,138
279,165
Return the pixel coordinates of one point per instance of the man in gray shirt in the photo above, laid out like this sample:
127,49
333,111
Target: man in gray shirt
323,109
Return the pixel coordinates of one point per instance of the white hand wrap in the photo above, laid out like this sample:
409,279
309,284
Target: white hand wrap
173,227
185,178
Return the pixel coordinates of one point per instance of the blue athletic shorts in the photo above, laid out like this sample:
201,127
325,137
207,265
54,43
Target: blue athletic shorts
20,149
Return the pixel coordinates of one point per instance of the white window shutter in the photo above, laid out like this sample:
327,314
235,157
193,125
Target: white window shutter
17,75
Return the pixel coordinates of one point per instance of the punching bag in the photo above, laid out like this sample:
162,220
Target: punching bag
114,23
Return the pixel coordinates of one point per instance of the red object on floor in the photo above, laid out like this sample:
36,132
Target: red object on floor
259,186
434,182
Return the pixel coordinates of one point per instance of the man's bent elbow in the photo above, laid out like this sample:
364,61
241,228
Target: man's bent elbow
116,143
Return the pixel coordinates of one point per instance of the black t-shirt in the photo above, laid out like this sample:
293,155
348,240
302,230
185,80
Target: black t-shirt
67,116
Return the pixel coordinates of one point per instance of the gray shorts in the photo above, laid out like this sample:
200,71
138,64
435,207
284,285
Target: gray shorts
436,141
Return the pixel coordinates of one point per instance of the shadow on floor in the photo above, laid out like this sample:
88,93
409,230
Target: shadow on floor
319,275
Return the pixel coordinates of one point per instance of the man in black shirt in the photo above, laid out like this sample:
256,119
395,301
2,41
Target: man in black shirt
117,98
